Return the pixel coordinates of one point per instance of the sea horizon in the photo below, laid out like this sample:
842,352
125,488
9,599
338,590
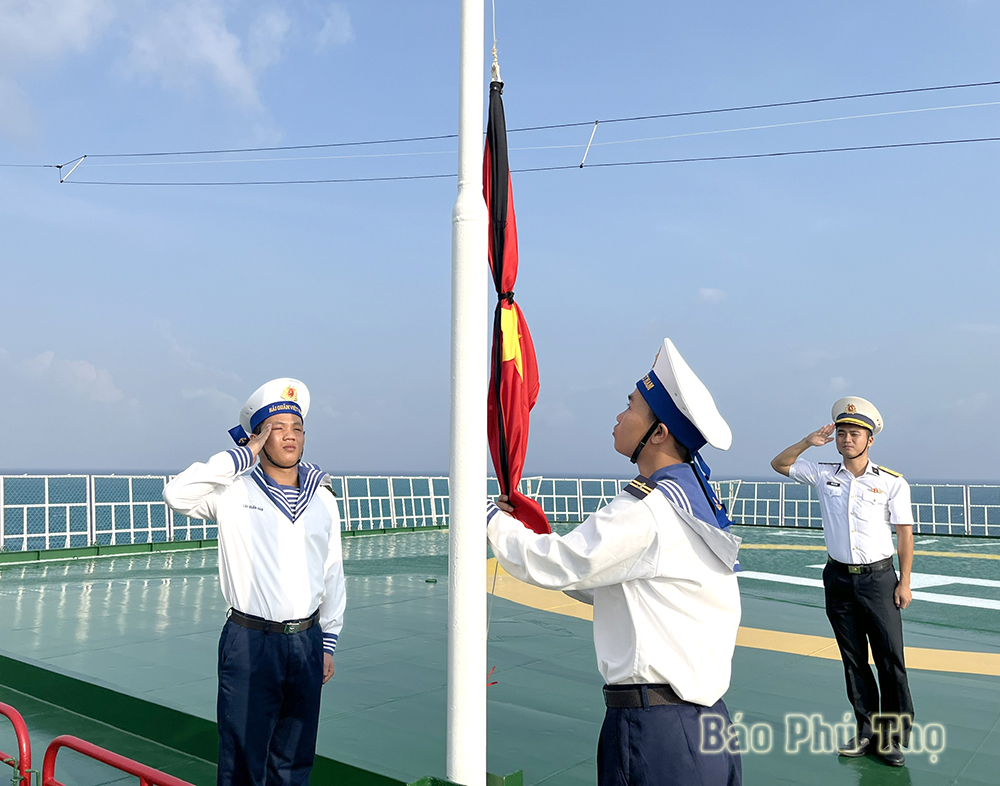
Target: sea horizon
444,473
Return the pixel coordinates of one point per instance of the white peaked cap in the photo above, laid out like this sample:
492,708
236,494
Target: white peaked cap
681,400
857,411
272,398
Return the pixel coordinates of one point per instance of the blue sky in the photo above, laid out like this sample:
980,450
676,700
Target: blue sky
135,321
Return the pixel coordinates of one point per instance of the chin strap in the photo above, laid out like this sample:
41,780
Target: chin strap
280,466
642,442
703,473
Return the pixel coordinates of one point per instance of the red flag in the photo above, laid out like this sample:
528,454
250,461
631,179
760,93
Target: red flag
514,370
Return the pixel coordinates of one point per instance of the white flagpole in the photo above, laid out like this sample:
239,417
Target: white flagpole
466,747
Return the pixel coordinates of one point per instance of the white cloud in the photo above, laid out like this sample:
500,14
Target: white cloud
337,28
17,118
709,295
184,358
267,34
185,44
40,30
838,384
78,376
50,29
217,398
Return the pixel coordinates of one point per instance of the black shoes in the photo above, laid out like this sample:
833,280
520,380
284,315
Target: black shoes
862,747
855,747
893,756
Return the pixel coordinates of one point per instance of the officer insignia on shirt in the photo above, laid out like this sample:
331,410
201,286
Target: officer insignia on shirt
890,471
641,487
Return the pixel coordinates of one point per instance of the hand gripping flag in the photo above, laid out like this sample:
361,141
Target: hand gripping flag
513,369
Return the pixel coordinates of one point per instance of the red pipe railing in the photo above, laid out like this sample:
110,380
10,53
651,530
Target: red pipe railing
147,775
23,762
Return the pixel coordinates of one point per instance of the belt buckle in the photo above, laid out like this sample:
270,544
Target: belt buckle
853,568
292,627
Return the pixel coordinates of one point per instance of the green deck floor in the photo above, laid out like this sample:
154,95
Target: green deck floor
147,626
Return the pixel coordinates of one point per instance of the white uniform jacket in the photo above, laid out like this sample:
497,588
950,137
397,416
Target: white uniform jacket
269,566
858,512
666,607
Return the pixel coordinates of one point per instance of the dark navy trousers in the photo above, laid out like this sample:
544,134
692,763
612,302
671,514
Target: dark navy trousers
662,746
268,709
862,611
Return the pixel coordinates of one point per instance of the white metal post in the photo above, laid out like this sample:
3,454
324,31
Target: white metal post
392,505
967,509
347,507
91,513
466,743
781,507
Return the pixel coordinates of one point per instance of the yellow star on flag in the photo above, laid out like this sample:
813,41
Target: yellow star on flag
511,329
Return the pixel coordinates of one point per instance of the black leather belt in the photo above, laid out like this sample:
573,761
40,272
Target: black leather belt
874,567
259,623
636,696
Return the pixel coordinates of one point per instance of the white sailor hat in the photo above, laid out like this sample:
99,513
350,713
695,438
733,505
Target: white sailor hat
682,402
271,398
857,411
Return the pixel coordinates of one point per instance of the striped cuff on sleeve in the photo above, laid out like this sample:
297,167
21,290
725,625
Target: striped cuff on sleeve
242,458
491,510
329,643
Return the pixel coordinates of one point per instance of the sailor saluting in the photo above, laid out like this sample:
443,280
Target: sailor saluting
658,564
862,503
282,573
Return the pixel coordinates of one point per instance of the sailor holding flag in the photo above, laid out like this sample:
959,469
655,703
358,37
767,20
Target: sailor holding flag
659,566
281,571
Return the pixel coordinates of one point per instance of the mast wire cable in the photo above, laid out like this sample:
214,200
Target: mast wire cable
745,156
636,118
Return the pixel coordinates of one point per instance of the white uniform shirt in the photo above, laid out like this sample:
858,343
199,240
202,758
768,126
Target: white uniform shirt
666,608
269,566
858,513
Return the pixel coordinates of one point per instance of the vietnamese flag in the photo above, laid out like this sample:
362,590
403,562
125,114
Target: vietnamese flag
513,369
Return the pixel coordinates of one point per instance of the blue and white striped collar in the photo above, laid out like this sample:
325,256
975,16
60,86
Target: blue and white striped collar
681,488
679,485
310,477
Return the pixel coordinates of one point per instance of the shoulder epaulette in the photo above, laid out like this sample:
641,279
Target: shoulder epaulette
641,487
890,471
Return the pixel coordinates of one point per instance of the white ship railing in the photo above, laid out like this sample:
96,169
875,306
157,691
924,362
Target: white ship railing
41,512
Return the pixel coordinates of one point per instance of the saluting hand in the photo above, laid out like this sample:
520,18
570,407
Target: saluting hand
256,443
821,436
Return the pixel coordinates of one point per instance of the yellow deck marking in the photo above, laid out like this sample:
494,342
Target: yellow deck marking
955,554
987,663
799,547
781,547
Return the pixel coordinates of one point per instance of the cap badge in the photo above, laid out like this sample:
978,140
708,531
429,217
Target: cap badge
852,408
290,394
